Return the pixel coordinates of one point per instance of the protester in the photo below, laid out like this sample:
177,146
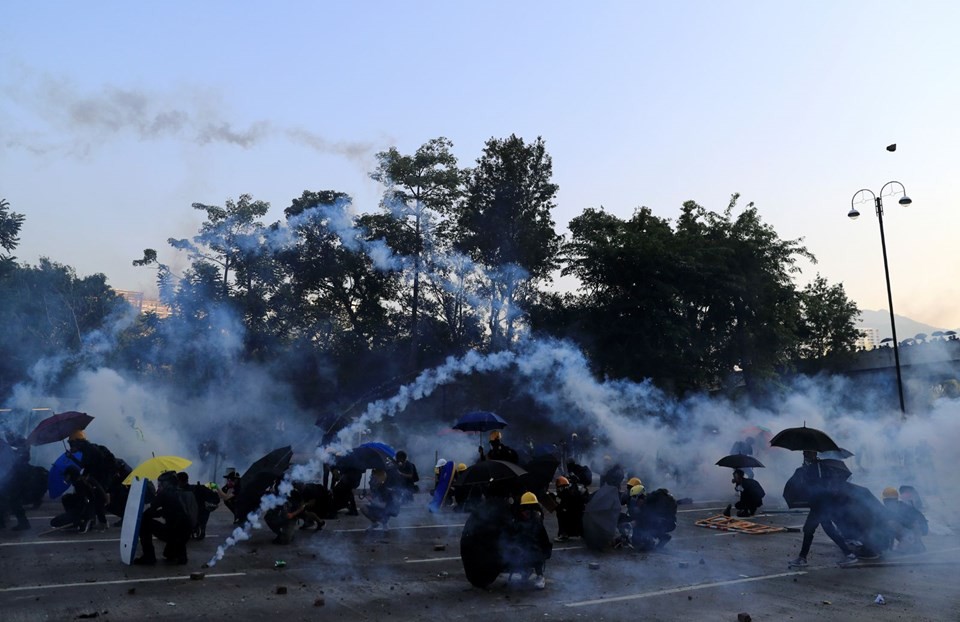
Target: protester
654,517
570,504
526,544
499,451
909,524
178,520
819,492
14,466
405,477
751,495
282,519
345,481
229,492
382,504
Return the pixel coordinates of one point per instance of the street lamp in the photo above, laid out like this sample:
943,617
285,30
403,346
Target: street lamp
863,196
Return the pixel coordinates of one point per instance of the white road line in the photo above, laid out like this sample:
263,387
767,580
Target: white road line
449,559
393,528
54,586
700,510
677,590
74,541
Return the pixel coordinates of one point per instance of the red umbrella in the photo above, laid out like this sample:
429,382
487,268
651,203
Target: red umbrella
58,427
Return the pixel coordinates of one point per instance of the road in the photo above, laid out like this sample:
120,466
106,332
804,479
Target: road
413,572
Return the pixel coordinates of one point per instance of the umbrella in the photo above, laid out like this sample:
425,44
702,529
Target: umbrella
805,439
600,517
489,471
58,427
275,462
479,421
373,455
840,454
811,480
56,483
739,461
834,469
920,336
152,468
540,472
886,340
949,333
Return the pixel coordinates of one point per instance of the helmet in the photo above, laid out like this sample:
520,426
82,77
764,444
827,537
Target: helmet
77,435
562,481
461,467
528,498
633,481
440,463
495,435
890,493
636,490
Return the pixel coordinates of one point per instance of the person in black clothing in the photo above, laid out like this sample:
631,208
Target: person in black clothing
14,466
382,505
654,517
525,543
499,451
909,523
99,463
176,526
823,499
570,504
751,495
405,477
344,483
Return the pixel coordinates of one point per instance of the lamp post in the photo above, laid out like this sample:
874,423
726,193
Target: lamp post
864,195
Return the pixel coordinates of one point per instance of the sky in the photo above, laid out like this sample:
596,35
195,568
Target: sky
115,117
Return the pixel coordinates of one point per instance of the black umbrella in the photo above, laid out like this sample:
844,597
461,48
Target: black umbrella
58,427
479,421
274,463
834,469
600,517
540,472
840,454
813,479
739,461
369,456
489,471
803,439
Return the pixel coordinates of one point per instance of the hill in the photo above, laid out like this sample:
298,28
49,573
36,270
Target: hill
880,319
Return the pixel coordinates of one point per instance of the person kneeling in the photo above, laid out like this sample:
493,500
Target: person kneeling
526,544
177,525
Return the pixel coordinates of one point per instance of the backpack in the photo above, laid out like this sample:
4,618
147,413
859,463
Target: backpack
189,502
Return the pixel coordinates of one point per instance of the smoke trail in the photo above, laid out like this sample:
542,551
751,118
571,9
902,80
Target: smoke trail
86,118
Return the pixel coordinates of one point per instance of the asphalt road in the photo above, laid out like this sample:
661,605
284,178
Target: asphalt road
413,572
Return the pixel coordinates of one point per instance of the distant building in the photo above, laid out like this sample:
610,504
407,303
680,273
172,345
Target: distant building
143,304
869,339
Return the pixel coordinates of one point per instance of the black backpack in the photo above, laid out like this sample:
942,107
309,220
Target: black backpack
189,502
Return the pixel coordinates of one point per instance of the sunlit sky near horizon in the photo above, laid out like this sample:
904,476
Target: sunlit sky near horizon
116,116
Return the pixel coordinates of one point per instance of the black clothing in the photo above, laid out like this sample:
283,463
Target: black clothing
170,505
909,525
525,543
656,518
480,540
499,451
751,497
570,504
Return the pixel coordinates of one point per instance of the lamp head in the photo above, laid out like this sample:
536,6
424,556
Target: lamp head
905,200
853,214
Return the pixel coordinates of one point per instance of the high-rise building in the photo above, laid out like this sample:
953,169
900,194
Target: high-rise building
869,338
143,304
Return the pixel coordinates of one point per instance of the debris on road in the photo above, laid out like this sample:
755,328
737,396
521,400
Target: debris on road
593,566
744,617
880,600
197,576
281,589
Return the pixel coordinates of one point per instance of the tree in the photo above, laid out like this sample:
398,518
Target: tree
505,224
828,322
420,190
10,224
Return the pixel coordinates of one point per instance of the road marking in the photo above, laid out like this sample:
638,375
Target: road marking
677,590
700,510
450,559
54,586
389,529
74,541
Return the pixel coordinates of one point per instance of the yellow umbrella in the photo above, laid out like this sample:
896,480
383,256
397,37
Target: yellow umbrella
152,468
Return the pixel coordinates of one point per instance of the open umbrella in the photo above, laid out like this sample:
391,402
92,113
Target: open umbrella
886,340
58,427
739,461
153,467
803,439
56,484
840,454
480,421
372,455
275,462
540,472
600,518
489,471
258,477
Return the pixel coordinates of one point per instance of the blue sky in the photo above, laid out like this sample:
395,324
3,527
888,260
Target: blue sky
116,116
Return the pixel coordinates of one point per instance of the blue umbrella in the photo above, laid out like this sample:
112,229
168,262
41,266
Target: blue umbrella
369,456
480,421
56,484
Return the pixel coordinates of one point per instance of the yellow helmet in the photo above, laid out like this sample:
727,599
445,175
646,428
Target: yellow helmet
529,498
461,467
495,435
562,481
890,493
633,481
636,490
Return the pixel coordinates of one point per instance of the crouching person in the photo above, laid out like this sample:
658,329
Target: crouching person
178,510
909,524
526,545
